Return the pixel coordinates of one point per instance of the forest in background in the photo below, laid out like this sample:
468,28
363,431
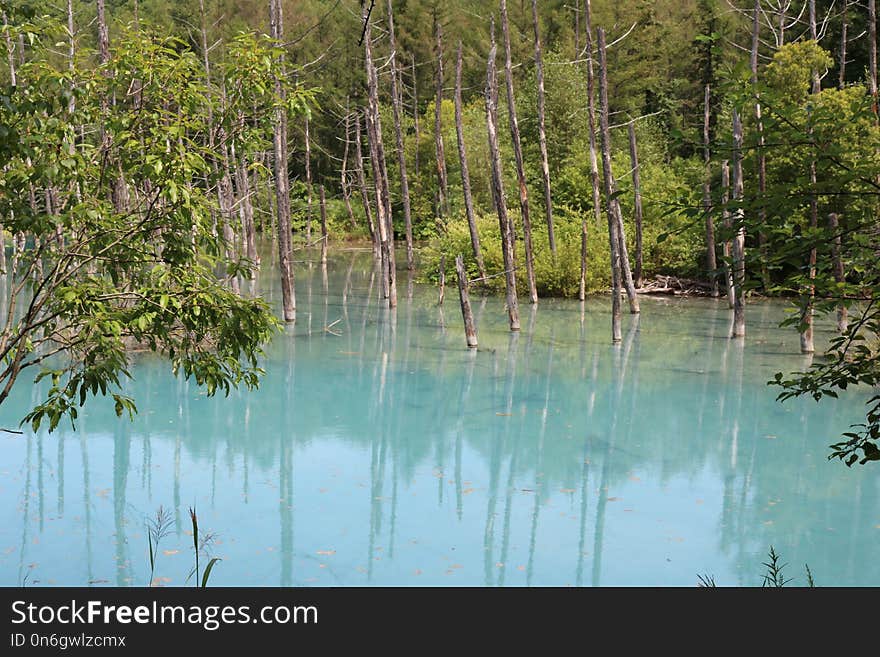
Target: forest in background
657,73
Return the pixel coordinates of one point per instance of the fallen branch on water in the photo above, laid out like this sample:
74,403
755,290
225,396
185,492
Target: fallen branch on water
675,286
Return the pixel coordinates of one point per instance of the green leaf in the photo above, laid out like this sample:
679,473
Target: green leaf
207,574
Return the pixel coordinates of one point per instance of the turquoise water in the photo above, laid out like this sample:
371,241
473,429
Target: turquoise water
380,451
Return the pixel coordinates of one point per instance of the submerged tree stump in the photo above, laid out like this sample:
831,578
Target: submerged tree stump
442,276
323,226
470,330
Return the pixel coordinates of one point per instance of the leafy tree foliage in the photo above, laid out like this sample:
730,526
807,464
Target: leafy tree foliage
838,130
108,172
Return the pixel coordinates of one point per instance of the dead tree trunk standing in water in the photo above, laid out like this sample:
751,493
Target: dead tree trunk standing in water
365,193
227,213
807,344
308,141
442,180
246,211
542,131
343,174
594,163
626,277
380,173
465,172
839,272
739,240
610,191
282,190
441,273
323,226
637,199
504,223
225,199
759,125
13,80
711,261
517,151
10,54
725,218
397,105
470,331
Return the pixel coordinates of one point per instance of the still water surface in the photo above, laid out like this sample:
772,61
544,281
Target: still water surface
380,451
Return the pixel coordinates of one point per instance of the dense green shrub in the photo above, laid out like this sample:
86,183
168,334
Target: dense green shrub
554,277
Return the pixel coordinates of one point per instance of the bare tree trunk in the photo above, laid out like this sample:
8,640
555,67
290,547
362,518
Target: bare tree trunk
517,151
465,173
245,204
10,53
308,182
343,175
610,191
227,203
594,163
441,277
759,122
381,226
814,36
323,225
13,80
282,190
577,31
807,346
872,51
119,192
225,193
415,108
273,208
397,105
247,215
103,34
2,253
728,224
780,16
839,272
470,330
504,222
443,189
626,277
542,131
377,154
844,26
637,201
711,262
365,194
71,55
807,343
625,270
739,241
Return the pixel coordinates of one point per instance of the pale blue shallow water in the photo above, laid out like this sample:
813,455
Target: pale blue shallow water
388,454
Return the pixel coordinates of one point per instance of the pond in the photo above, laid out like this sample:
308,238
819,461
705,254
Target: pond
380,451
